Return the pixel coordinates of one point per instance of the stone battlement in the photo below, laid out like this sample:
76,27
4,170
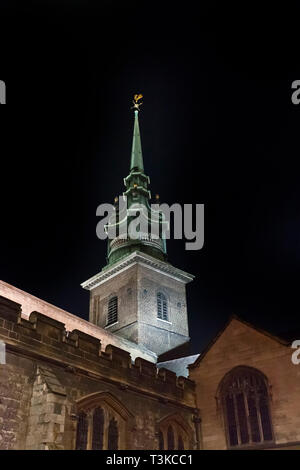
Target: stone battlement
29,303
47,340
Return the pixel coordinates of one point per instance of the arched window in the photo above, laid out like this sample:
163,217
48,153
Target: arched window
162,306
113,435
98,429
161,440
175,433
180,443
171,440
245,399
112,311
82,430
102,422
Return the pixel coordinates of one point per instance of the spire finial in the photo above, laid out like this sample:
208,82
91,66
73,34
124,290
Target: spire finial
136,104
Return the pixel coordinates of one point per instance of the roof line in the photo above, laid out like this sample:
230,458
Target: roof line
227,323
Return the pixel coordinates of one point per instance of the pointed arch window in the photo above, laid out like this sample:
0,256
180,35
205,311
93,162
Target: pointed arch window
113,435
245,399
98,429
171,440
102,422
82,431
161,440
112,311
162,306
174,434
180,443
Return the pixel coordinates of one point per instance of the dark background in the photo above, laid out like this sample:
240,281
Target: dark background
218,127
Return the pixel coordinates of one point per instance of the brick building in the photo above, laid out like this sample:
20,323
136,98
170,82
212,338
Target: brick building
121,380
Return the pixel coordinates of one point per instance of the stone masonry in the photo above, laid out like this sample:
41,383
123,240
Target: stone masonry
48,371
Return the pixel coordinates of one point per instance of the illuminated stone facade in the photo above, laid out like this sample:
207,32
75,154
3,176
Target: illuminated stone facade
52,376
56,384
66,383
136,281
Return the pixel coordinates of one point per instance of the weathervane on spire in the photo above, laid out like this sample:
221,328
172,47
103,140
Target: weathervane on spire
136,104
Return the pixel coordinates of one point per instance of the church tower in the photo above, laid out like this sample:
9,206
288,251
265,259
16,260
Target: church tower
139,295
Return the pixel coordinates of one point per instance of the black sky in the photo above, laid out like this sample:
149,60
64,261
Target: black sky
218,127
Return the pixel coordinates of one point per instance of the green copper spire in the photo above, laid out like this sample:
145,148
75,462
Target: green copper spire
136,152
137,193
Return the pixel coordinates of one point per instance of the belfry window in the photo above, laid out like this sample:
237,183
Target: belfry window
162,306
245,400
112,311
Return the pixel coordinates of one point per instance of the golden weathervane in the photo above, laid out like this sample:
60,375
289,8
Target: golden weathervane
136,99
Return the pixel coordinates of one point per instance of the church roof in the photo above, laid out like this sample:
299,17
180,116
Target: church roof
235,317
180,365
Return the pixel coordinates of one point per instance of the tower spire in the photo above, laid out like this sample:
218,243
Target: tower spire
132,302
136,152
137,193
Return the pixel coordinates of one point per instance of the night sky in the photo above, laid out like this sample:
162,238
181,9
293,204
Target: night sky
218,127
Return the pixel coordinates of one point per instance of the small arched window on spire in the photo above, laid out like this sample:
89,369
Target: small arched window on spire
112,311
162,306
